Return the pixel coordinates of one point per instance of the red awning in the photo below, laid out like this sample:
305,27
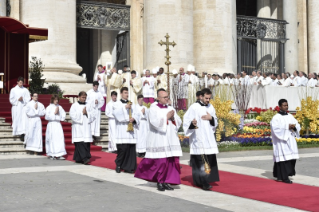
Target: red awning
14,26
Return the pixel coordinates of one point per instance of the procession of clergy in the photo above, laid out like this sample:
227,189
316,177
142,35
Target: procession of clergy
154,133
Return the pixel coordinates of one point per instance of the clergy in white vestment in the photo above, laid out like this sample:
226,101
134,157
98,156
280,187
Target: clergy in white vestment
33,137
259,78
19,97
135,87
142,128
94,97
161,79
125,140
161,162
115,82
111,122
267,79
148,87
296,82
174,88
192,85
54,136
284,130
183,80
312,82
303,79
101,78
82,114
154,75
200,123
274,80
287,80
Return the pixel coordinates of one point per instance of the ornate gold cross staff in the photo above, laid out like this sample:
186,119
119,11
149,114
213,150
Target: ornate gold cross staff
167,43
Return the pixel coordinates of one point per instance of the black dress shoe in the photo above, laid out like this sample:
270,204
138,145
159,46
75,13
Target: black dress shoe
207,188
86,161
167,187
287,181
130,172
160,187
22,137
118,169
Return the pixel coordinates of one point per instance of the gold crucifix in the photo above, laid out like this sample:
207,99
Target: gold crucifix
167,44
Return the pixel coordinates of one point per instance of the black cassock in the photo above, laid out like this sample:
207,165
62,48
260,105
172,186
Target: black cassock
284,169
200,178
82,151
126,157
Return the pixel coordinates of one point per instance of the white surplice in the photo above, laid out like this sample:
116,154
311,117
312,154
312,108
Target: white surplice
284,140
101,77
19,117
142,128
148,88
112,126
121,115
54,136
201,140
91,97
162,139
81,124
33,136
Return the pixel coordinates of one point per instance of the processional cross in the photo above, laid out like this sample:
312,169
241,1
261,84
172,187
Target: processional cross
167,44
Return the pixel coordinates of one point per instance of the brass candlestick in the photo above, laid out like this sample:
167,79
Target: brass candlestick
167,44
130,124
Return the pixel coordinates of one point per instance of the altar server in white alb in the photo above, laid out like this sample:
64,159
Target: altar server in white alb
161,162
54,136
143,127
111,122
200,123
19,97
125,140
82,115
33,137
94,97
284,130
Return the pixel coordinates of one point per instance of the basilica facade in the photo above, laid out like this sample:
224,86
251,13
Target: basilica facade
222,36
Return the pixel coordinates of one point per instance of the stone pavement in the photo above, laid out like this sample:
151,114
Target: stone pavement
35,183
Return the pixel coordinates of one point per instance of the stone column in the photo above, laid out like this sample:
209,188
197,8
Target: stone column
58,53
264,8
174,17
215,37
291,46
302,36
136,34
313,32
3,8
15,9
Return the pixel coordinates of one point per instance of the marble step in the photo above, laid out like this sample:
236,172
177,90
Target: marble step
11,144
15,150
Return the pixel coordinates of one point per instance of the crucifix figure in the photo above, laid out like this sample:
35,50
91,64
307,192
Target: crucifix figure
167,44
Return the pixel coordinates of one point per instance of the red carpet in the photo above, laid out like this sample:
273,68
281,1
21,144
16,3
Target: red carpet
296,195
